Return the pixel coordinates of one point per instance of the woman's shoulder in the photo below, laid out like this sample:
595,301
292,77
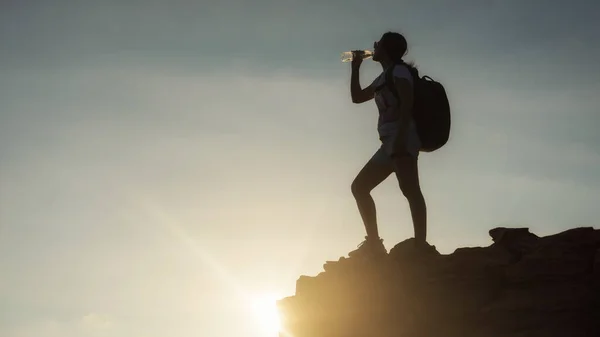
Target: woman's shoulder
402,71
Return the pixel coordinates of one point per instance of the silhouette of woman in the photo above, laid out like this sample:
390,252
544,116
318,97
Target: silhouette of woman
400,144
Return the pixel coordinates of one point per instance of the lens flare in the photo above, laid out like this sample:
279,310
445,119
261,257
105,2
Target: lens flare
265,311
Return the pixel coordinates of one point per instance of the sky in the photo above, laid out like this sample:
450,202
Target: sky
164,165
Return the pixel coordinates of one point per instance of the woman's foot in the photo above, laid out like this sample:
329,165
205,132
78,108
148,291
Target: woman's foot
369,247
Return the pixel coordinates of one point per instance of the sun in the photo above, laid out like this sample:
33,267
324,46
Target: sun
266,314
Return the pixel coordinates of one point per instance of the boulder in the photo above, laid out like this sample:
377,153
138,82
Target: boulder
521,285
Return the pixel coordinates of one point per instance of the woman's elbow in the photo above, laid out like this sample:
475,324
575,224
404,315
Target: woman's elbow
360,98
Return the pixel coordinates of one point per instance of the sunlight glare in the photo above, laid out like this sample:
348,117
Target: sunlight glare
265,310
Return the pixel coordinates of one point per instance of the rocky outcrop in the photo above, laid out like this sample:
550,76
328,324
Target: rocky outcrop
521,285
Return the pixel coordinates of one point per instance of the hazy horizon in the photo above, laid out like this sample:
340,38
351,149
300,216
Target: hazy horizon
164,166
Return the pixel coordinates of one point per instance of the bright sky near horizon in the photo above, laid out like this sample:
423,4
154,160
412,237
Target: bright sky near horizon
163,164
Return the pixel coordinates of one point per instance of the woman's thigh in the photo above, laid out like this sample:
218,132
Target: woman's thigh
406,169
375,171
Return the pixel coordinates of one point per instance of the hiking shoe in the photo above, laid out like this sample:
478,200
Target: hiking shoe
369,247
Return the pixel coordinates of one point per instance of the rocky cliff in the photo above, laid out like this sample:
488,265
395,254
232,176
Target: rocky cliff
521,285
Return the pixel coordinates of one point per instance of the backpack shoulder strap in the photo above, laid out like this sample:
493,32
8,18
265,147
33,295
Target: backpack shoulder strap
389,77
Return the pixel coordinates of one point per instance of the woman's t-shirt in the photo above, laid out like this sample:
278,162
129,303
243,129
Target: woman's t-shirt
389,113
387,104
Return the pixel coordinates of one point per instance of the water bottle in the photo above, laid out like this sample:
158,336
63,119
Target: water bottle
348,55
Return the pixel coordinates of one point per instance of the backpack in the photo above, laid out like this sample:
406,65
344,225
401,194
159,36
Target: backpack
431,109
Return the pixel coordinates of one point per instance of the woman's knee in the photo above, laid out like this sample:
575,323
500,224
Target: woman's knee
411,190
371,175
359,188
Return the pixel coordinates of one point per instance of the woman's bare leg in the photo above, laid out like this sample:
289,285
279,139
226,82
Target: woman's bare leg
407,172
372,174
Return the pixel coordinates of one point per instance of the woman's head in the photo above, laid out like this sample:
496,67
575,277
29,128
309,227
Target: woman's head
391,47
